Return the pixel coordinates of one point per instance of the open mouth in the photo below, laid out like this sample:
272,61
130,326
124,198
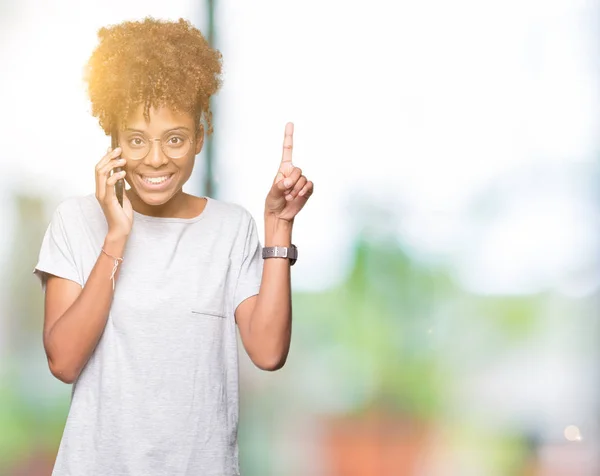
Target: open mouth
156,182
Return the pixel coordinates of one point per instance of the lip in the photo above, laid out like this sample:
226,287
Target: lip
151,187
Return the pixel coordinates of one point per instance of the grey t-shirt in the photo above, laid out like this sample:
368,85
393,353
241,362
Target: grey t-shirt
159,395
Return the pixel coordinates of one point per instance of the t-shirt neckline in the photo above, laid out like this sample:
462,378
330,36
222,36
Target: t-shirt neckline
148,218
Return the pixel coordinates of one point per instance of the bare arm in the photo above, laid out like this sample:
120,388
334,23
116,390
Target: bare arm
265,320
74,318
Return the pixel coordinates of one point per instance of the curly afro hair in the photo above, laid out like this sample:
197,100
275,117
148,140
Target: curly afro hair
152,63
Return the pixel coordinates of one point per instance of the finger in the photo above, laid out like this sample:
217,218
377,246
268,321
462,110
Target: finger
307,190
112,180
103,173
286,157
299,186
111,154
288,143
286,185
110,165
100,179
110,185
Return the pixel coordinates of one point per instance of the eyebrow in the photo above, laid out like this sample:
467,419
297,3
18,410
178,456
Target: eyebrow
165,132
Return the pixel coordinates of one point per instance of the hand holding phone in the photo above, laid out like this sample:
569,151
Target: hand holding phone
119,186
119,216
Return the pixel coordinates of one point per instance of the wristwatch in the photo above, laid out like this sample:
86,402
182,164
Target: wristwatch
281,252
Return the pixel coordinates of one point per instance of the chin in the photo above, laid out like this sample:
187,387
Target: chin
155,199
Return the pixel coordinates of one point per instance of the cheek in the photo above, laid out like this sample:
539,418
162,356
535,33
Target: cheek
129,169
186,168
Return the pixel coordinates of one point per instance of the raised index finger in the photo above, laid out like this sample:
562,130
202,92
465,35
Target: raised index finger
288,144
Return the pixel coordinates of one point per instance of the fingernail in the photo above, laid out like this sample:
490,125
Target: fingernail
287,182
288,197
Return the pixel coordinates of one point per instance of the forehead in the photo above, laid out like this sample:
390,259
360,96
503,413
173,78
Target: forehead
160,119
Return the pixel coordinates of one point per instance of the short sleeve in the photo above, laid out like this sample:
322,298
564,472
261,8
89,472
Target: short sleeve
56,255
250,271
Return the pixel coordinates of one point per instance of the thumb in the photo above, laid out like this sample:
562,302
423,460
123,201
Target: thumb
284,171
279,188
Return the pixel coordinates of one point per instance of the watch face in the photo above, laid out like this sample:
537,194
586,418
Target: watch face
295,255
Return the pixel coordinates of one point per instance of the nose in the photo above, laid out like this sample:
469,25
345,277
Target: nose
156,157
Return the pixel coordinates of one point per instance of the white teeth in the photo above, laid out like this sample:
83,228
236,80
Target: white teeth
156,180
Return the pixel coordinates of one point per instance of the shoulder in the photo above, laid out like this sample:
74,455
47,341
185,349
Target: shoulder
74,208
231,212
235,224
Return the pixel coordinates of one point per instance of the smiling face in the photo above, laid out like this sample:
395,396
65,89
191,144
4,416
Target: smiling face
156,179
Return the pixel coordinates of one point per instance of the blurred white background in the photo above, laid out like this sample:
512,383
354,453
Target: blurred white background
472,124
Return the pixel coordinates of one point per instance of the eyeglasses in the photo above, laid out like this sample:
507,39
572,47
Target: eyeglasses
175,145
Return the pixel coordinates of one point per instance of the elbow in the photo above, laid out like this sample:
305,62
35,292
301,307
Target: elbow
61,366
63,372
272,364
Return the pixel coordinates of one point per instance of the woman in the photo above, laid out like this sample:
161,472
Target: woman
142,301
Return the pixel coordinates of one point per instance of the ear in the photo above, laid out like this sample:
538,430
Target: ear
199,139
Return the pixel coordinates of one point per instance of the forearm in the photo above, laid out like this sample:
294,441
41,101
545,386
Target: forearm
271,321
72,339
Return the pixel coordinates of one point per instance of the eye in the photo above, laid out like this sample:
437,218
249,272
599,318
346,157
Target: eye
136,141
175,140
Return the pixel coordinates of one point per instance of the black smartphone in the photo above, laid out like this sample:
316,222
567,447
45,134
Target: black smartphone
114,143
